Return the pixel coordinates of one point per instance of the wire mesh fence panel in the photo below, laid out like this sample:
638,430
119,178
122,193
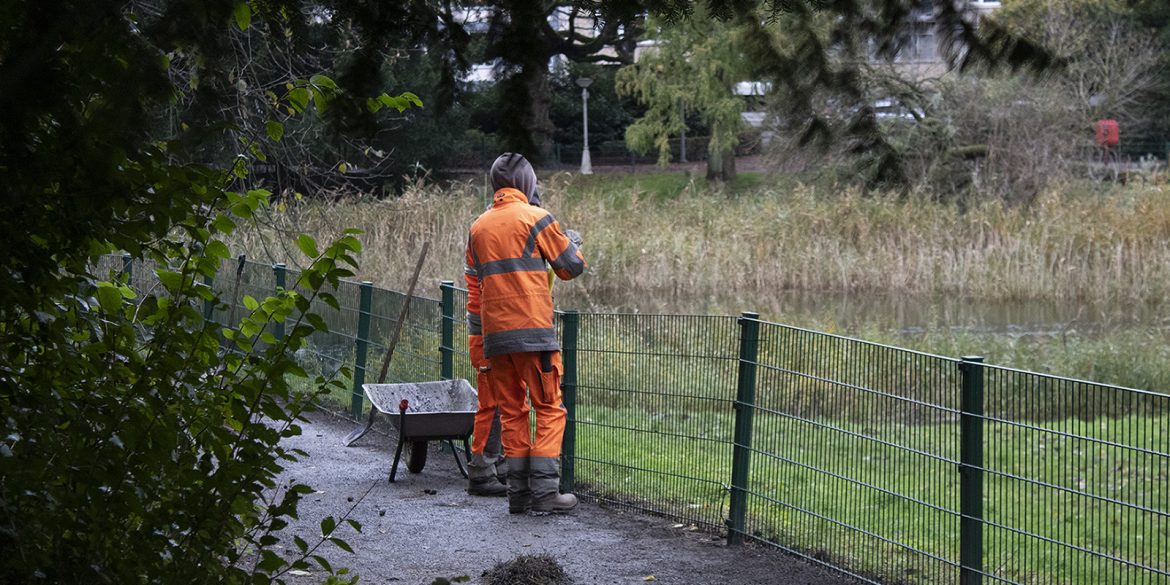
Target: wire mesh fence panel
416,355
140,274
231,283
853,453
1077,481
653,412
257,281
331,353
108,267
461,357
325,354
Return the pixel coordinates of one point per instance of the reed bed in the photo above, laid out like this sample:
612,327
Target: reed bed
700,251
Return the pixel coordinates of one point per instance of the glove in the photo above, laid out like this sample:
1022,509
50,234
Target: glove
574,237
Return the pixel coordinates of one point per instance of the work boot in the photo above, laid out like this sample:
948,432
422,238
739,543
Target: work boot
546,483
502,471
519,493
481,477
494,450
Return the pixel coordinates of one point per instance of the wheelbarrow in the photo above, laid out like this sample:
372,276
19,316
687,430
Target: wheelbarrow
422,412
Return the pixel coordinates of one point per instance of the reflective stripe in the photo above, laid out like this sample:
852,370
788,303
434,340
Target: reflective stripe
520,340
511,265
474,324
470,271
530,245
568,260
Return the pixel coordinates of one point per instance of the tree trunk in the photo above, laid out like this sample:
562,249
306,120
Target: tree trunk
729,165
721,165
527,98
521,35
714,165
524,107
536,116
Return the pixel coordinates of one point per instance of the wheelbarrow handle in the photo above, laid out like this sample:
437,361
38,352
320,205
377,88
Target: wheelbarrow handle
402,406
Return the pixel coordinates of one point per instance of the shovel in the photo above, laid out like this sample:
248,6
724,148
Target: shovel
359,432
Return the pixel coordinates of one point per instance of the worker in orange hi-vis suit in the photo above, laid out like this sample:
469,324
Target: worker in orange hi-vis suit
507,251
487,467
483,477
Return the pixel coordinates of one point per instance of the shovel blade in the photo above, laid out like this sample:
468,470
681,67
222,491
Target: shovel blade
360,432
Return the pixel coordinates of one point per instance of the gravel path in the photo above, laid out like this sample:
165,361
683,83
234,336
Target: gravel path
425,526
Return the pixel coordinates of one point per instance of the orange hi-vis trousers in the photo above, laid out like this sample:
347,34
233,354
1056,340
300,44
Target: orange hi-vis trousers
489,400
540,371
485,414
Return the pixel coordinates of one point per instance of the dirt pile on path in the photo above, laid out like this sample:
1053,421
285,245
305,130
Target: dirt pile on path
527,570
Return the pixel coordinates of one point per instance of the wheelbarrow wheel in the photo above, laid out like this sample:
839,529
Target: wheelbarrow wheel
418,456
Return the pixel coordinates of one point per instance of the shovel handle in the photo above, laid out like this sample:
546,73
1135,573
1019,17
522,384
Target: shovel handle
402,315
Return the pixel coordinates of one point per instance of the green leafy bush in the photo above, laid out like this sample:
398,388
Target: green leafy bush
142,443
139,442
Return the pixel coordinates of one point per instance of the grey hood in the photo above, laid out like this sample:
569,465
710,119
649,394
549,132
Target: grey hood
513,170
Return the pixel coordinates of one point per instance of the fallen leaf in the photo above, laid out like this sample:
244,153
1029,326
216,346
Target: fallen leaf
648,578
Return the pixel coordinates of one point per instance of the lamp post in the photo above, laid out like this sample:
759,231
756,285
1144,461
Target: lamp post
586,164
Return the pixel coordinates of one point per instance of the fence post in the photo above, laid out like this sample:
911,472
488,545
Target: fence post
128,269
971,473
447,330
363,345
569,320
208,304
745,399
280,271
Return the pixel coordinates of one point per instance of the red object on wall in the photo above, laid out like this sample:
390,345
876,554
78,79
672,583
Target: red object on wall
1108,133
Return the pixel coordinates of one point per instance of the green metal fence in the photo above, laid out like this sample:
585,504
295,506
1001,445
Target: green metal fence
359,330
652,411
854,452
891,465
1076,480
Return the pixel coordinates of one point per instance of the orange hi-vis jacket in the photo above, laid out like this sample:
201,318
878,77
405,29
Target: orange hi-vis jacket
509,302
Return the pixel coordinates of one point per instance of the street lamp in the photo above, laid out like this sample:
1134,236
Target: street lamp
586,164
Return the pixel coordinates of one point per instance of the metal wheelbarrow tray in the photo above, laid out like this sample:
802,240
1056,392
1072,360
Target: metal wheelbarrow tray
443,410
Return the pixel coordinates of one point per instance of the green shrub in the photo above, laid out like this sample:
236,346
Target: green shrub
141,443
